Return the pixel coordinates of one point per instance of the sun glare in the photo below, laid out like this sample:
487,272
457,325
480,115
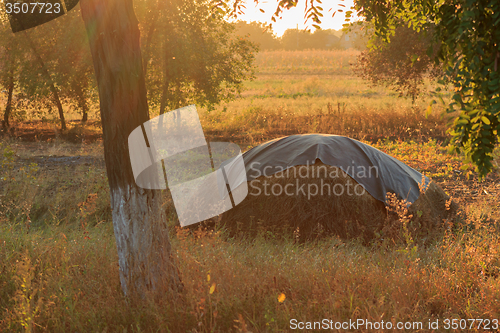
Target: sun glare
295,16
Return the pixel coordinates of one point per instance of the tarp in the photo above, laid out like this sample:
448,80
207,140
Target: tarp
376,171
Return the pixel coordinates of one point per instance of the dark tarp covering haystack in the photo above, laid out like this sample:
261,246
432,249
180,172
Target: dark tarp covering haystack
327,183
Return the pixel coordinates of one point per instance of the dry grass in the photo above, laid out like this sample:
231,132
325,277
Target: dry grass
55,194
306,61
258,124
236,286
308,100
64,277
59,273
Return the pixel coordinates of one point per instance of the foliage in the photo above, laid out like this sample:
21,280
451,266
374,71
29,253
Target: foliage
259,34
11,55
62,47
312,10
468,32
400,64
356,35
74,69
294,39
197,55
194,56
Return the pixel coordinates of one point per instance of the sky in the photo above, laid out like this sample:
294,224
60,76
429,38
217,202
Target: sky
295,15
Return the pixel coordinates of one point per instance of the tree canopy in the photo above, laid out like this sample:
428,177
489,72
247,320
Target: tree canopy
469,50
257,33
468,37
193,58
400,64
50,64
191,54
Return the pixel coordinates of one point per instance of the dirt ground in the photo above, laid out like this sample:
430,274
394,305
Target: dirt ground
38,131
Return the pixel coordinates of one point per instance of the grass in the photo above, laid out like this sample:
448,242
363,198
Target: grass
315,101
62,281
58,260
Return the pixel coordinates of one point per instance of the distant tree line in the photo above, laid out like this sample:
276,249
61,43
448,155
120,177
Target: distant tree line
295,39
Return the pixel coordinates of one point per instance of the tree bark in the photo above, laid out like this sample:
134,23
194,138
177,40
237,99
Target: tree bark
144,251
8,107
165,96
149,37
53,89
82,101
85,111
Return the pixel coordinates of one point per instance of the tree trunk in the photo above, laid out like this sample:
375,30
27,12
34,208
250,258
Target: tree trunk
165,96
53,89
82,102
178,95
164,93
8,107
149,37
144,251
85,111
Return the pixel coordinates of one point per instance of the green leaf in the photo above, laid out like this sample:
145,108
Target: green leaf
485,120
493,82
485,133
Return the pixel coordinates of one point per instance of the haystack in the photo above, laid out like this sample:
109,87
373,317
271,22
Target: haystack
327,205
327,184
328,202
